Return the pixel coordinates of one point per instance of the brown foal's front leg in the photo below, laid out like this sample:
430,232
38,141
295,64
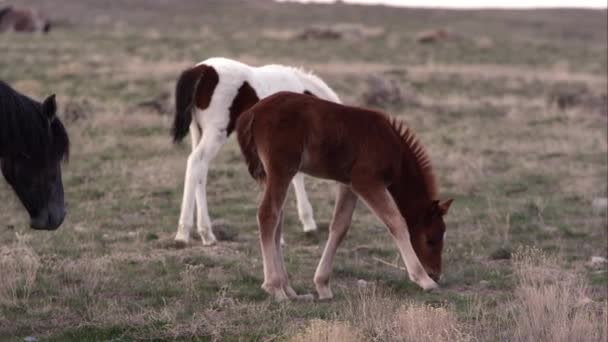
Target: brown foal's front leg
382,204
346,201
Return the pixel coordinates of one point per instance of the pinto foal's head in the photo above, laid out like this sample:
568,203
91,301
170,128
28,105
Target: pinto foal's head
427,232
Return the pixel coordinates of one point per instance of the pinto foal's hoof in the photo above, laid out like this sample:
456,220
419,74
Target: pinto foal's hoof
209,243
208,239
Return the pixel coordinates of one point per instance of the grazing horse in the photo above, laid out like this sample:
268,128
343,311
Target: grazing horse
209,98
371,156
33,142
21,19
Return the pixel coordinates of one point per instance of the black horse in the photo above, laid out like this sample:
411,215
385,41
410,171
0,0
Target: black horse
33,142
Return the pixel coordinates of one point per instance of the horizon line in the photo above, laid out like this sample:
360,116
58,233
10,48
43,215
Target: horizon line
464,5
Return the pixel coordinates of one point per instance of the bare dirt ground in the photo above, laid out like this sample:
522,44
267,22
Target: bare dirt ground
511,107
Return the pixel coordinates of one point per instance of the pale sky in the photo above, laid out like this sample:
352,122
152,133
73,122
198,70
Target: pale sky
480,3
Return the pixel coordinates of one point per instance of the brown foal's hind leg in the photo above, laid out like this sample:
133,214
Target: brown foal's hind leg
280,264
269,215
346,202
383,205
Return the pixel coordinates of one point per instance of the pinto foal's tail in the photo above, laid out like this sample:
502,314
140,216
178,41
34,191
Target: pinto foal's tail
184,103
244,129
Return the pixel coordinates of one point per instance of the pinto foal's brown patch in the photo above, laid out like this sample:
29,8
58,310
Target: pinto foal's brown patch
206,85
244,99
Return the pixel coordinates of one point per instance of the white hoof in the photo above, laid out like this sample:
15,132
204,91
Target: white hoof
183,234
310,227
324,293
208,240
428,284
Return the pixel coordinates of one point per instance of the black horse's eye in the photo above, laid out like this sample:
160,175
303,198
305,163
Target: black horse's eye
431,243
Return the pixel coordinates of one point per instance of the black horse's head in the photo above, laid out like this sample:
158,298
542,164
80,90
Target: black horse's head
33,165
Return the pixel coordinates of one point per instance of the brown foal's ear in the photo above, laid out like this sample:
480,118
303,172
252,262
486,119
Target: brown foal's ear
444,206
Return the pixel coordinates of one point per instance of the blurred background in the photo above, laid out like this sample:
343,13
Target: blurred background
510,104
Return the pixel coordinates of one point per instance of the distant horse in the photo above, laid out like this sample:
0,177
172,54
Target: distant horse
33,142
371,156
215,92
22,19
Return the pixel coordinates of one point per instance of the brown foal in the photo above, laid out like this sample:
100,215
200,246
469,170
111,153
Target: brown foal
371,157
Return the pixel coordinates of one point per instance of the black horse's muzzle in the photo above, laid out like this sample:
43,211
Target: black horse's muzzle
48,220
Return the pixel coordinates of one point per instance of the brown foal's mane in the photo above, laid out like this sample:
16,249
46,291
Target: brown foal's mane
411,142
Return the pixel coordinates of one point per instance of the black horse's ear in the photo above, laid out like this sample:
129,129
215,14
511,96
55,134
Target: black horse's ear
49,107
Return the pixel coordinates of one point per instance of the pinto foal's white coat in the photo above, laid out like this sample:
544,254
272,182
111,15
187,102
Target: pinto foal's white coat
208,132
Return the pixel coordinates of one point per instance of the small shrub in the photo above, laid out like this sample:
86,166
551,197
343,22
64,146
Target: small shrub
85,277
380,317
551,304
329,331
19,266
420,323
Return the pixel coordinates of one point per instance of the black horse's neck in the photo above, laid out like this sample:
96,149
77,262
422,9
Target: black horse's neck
24,130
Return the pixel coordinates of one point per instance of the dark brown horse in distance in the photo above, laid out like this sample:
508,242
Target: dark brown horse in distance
371,156
23,19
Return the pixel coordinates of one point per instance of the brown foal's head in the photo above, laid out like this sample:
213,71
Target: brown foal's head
427,234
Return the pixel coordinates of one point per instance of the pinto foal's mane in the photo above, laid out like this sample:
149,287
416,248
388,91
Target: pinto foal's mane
26,131
412,143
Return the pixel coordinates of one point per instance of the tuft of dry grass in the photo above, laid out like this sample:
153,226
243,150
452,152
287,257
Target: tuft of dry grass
329,331
19,265
372,311
551,304
85,276
421,323
374,316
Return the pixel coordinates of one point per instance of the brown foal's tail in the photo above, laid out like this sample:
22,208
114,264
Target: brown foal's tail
244,129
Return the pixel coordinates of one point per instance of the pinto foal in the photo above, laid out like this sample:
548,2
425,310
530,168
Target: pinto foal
209,98
371,156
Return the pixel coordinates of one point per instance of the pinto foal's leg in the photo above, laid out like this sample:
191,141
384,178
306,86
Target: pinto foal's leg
213,140
346,202
383,205
304,207
185,221
195,186
269,215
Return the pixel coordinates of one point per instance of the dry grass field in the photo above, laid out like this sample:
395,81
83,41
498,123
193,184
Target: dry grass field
511,107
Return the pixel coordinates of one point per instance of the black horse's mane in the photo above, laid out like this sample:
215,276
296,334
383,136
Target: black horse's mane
25,130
